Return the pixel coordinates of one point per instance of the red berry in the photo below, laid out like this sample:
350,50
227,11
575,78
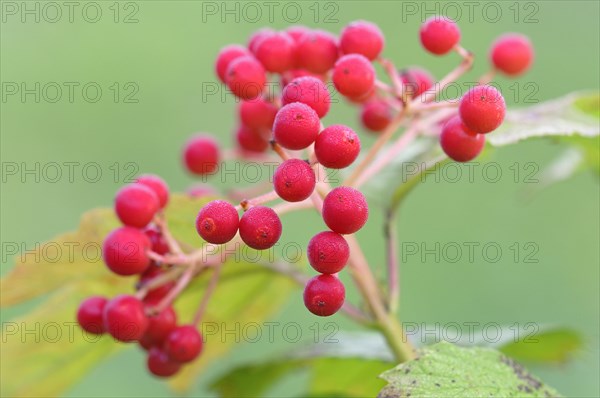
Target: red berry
136,205
482,109
317,51
337,146
310,91
260,227
156,184
416,81
158,292
459,143
158,244
362,37
324,295
512,54
246,77
376,115
294,180
296,126
225,56
217,222
257,37
250,140
125,251
353,75
297,32
276,52
160,365
439,34
201,155
289,76
345,210
183,344
89,314
328,252
160,325
125,319
257,114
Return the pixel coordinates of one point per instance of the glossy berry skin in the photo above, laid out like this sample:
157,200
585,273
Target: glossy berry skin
376,115
217,222
276,52
89,314
125,251
246,77
158,244
353,75
439,35
251,141
160,365
156,184
125,319
257,114
345,210
201,155
512,54
337,146
459,143
317,51
296,126
328,252
260,227
482,109
225,56
324,295
310,91
158,292
136,205
362,37
183,344
416,81
160,325
294,180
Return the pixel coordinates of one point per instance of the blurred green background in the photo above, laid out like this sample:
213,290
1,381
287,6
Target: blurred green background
167,58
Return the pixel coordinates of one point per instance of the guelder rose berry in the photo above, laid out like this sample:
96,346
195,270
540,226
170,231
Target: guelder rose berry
276,52
257,114
158,244
439,35
317,51
337,146
459,143
362,37
183,344
160,365
328,252
89,314
345,210
257,37
296,126
246,77
416,81
249,140
225,56
156,184
125,319
260,227
310,91
158,292
353,75
217,222
136,205
324,295
125,251
376,115
294,180
482,109
512,54
201,155
159,326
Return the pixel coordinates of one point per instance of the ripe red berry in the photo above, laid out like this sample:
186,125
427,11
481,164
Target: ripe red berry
296,126
246,77
89,314
324,295
416,81
136,205
260,227
159,363
217,222
294,180
293,74
297,32
276,52
125,251
362,37
201,155
257,37
353,75
512,54
125,319
158,185
459,143
337,146
328,252
345,210
225,56
376,115
310,91
158,244
257,114
317,51
482,109
183,344
250,140
158,292
439,34
160,325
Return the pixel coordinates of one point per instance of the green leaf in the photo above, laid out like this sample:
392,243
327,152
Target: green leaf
589,104
549,346
446,370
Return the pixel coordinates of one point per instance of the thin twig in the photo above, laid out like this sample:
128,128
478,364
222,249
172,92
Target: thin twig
212,285
393,265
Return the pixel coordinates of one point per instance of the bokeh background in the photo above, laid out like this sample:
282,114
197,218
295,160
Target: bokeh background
160,55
